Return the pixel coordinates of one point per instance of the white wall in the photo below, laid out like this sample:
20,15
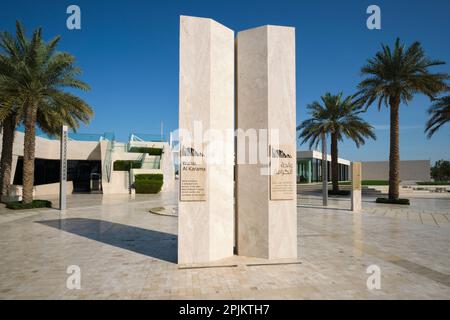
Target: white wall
49,149
410,170
41,190
94,150
119,183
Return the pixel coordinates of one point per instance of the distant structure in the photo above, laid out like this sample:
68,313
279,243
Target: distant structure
410,170
90,162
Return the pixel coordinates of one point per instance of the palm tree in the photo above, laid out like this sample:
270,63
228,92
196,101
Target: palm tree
8,63
440,114
34,90
8,128
395,76
339,118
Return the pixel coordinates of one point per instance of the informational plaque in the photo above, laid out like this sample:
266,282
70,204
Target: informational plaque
356,176
282,172
193,175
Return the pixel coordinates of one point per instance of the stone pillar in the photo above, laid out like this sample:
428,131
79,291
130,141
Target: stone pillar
309,171
324,171
266,204
63,169
356,186
206,103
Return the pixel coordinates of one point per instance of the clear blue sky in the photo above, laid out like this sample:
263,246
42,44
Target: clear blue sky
128,51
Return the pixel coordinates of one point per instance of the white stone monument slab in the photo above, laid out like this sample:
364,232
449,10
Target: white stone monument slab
63,169
206,110
266,218
356,186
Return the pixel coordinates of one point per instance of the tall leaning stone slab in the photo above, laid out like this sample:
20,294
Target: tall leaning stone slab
206,111
356,187
266,203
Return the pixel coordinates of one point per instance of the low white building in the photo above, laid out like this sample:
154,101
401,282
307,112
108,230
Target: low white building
309,167
91,162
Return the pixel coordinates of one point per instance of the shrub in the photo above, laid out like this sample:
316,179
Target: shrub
148,186
433,183
17,205
441,170
339,193
375,182
150,151
148,182
395,201
149,176
126,165
367,183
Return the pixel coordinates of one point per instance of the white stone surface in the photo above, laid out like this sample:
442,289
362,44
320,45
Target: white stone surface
119,184
205,229
356,197
335,250
356,201
265,100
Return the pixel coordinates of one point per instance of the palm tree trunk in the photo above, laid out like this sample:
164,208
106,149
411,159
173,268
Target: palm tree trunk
394,152
28,154
334,163
9,125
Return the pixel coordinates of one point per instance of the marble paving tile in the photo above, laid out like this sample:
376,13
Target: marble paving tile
125,252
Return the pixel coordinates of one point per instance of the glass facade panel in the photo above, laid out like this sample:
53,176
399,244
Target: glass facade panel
47,171
310,170
304,172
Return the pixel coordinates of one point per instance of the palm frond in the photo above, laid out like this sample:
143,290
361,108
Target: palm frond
32,72
335,115
439,115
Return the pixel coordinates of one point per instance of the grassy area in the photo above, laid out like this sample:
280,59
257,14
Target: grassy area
368,183
433,183
18,205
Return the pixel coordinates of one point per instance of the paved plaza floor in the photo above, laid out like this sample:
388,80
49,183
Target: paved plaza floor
126,252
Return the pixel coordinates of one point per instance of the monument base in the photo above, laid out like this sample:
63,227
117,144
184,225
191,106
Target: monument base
356,201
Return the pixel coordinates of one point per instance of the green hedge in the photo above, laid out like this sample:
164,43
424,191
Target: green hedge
339,193
395,201
375,182
367,183
150,151
148,182
148,186
126,165
17,205
433,183
148,176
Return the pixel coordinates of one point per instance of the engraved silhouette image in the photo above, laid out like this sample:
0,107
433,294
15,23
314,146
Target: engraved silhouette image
191,152
276,153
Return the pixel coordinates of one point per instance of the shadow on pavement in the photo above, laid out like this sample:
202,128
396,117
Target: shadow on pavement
156,244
